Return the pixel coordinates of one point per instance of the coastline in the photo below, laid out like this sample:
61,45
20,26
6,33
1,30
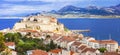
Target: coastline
71,17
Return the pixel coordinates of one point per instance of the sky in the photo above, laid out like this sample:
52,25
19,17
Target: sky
18,7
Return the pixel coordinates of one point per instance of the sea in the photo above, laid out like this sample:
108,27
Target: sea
100,29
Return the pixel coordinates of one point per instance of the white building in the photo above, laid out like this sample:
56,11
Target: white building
110,45
10,45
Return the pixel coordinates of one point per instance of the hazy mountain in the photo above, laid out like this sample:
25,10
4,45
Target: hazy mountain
94,10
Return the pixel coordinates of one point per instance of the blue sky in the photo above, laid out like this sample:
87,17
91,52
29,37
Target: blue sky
13,7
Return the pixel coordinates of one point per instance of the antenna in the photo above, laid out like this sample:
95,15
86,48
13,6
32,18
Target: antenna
110,37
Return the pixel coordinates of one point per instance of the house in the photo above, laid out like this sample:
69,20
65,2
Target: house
86,40
93,44
81,48
111,53
10,45
90,51
55,52
14,53
31,33
60,52
80,36
37,52
119,50
64,41
110,45
74,46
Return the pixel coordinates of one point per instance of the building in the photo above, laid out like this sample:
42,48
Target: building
10,45
94,44
90,51
36,52
86,40
119,50
75,45
56,52
40,23
110,45
65,41
60,52
111,53
81,48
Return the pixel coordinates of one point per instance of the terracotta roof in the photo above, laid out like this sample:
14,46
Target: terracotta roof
54,37
67,38
39,52
76,43
95,41
56,50
29,31
111,53
104,41
82,47
89,49
9,43
119,47
71,52
107,42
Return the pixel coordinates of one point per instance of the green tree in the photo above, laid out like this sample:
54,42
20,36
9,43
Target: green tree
102,50
6,52
8,37
65,29
12,37
52,45
47,36
2,45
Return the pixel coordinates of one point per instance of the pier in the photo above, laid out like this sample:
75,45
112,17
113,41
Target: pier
79,31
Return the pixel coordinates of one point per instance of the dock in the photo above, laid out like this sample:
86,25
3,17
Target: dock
79,31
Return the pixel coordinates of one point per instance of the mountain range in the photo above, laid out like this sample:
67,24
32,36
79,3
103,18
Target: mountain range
92,10
73,10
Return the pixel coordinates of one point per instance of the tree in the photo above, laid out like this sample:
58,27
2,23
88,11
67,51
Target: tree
8,37
52,45
6,52
12,37
102,50
2,45
47,36
65,29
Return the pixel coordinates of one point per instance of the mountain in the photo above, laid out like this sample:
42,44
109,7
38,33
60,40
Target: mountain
92,10
69,8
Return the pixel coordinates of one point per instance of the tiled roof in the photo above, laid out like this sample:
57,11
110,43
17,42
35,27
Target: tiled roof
54,37
111,53
39,52
119,47
82,47
104,41
9,43
56,50
107,42
89,49
76,43
67,38
95,41
71,52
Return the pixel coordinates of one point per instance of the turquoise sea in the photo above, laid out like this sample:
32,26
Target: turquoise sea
99,28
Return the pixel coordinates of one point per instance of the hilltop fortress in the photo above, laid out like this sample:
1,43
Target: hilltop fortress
40,23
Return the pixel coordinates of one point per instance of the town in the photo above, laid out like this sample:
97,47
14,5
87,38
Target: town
44,35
